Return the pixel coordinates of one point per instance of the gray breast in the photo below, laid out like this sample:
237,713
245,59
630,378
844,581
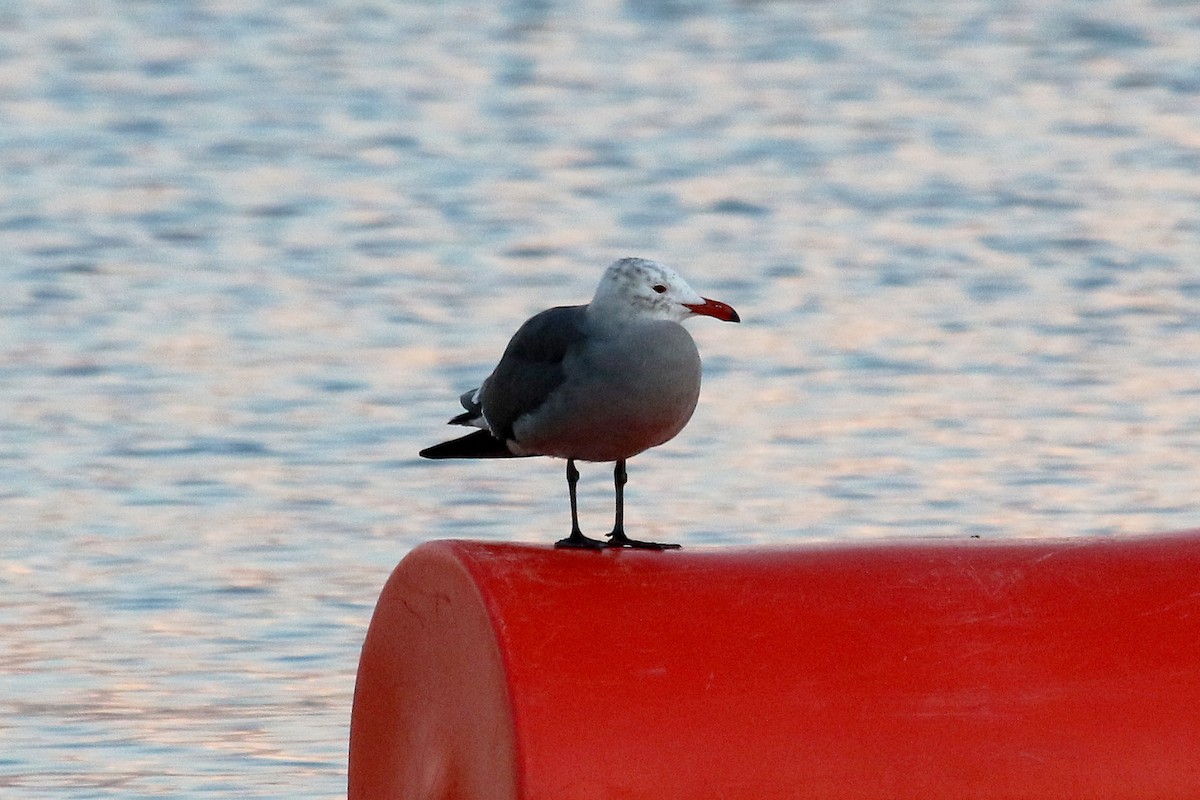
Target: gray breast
623,390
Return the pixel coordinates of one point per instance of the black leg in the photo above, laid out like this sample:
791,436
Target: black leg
620,478
618,538
576,539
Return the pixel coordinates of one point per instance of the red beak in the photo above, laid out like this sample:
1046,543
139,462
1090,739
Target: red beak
715,308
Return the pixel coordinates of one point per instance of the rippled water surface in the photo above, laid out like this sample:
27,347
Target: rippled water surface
252,252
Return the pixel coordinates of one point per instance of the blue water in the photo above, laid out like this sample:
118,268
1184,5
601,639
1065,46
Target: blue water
253,251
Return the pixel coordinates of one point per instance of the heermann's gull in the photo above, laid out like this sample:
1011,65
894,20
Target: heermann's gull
600,382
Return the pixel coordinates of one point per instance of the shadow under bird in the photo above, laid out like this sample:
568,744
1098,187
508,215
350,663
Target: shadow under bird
599,382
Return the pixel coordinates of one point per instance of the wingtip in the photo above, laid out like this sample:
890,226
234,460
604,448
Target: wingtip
479,444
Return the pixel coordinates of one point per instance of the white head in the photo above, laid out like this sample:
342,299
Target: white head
638,287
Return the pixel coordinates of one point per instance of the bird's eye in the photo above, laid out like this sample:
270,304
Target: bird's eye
658,287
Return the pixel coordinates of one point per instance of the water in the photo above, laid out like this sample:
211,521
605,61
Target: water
252,252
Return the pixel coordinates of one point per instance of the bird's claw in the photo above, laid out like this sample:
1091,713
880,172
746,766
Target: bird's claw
578,541
619,539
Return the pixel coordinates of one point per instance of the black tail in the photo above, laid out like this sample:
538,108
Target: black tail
480,444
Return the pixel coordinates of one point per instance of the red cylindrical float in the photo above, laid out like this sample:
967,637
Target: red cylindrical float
970,669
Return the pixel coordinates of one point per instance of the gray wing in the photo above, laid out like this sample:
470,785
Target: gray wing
532,366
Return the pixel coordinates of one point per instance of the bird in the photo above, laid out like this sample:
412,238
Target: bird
598,382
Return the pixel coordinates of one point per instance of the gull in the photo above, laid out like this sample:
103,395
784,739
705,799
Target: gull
598,382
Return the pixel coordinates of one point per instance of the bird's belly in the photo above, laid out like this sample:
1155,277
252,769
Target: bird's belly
618,408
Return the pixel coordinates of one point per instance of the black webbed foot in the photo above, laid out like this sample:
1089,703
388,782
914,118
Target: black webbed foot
580,542
619,539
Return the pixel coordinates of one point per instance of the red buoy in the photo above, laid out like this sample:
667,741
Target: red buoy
968,669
